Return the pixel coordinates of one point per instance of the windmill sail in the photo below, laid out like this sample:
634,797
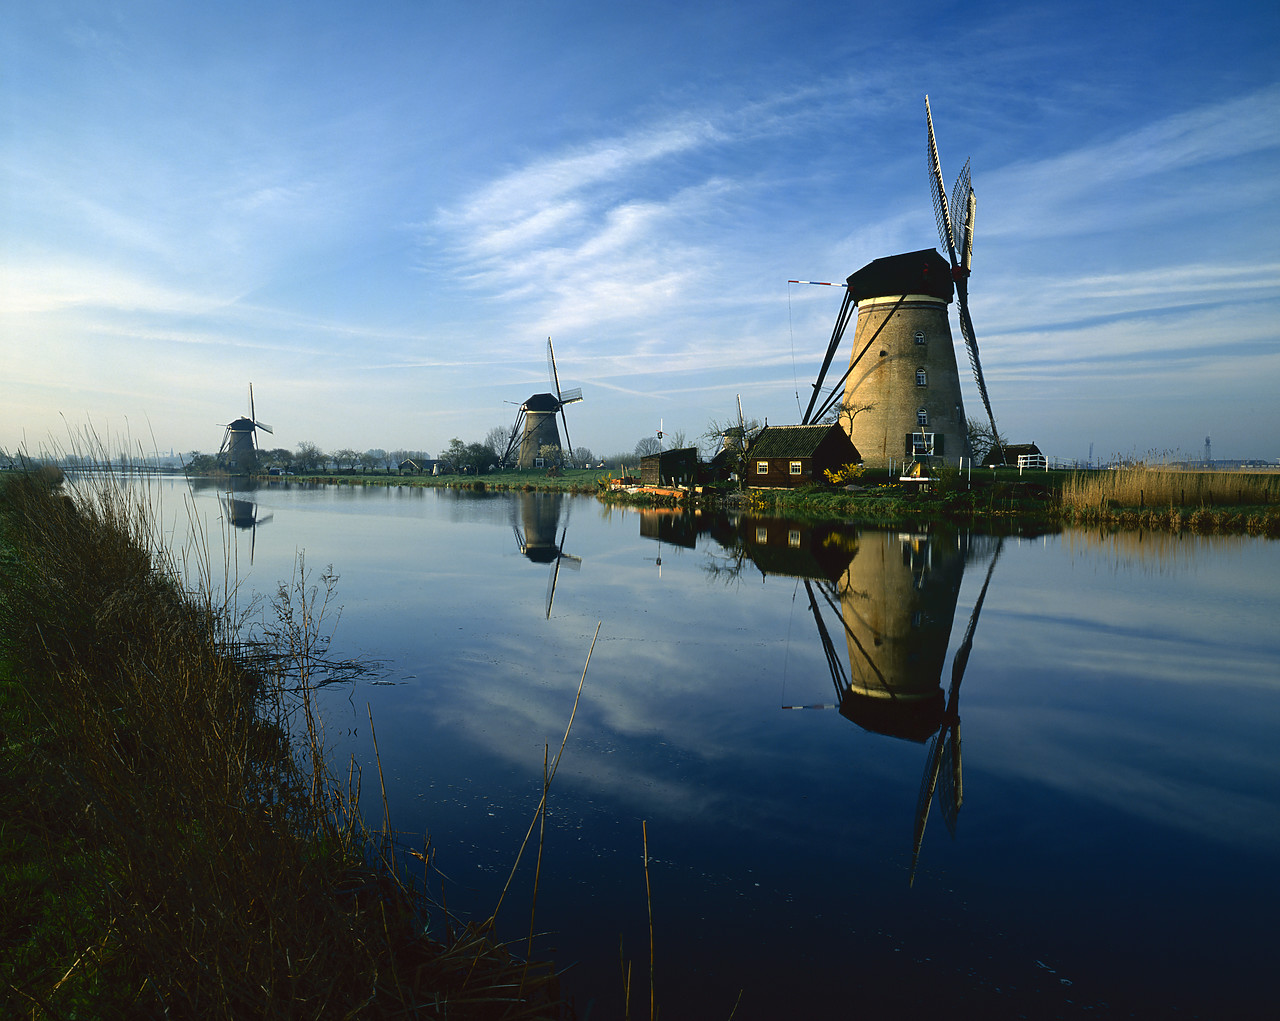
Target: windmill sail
942,767
569,397
253,416
963,241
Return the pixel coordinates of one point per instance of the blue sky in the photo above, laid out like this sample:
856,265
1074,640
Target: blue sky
378,212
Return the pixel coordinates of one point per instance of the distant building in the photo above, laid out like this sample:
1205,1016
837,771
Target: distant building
1012,451
670,468
784,456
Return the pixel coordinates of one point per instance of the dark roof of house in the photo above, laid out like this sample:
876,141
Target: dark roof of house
790,440
677,454
922,272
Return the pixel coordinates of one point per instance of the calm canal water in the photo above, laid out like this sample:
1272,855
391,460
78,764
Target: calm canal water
851,810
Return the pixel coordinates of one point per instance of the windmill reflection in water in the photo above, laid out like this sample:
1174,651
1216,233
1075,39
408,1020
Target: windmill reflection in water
535,521
244,515
894,597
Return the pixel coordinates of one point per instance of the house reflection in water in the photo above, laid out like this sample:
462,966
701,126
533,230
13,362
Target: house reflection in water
535,520
893,595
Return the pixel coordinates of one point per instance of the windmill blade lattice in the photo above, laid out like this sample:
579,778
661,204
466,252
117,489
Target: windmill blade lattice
951,240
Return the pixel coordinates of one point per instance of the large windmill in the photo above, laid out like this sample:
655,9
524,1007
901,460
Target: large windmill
238,443
535,425
900,397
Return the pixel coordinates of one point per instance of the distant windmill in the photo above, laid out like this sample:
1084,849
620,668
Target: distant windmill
238,441
535,425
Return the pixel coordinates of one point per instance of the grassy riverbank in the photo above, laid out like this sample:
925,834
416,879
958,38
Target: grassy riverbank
172,841
1205,502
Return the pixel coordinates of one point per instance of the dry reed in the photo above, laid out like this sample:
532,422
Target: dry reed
1164,488
202,859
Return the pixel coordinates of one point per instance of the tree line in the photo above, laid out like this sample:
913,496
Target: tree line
478,456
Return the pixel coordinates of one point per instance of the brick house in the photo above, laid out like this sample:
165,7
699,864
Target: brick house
785,456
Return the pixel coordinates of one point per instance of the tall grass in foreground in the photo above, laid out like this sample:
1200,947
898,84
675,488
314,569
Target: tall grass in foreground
1164,487
188,858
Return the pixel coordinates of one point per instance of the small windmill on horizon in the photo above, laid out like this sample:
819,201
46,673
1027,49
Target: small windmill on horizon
239,450
535,425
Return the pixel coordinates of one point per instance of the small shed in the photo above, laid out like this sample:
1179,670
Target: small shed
1012,451
670,467
784,456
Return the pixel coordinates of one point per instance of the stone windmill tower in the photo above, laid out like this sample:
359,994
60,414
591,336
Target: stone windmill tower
900,397
535,425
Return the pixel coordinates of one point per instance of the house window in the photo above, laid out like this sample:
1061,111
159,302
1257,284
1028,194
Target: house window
922,378
762,467
919,337
796,468
922,416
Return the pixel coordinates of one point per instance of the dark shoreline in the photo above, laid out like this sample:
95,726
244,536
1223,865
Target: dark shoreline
1002,502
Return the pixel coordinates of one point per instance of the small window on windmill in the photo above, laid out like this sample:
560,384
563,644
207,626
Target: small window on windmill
538,462
922,416
922,444
920,337
922,377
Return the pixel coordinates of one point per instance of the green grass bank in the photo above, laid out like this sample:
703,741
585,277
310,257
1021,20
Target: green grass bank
173,842
1148,498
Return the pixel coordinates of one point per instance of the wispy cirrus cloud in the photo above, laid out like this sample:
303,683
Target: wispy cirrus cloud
1091,187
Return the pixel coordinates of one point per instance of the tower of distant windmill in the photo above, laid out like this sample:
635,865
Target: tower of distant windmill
239,450
535,425
900,397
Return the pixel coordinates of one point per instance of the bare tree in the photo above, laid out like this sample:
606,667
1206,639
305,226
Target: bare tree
981,438
735,437
309,457
845,412
648,445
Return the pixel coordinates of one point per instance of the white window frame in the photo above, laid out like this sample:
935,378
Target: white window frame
922,377
922,416
797,467
920,337
762,467
922,444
